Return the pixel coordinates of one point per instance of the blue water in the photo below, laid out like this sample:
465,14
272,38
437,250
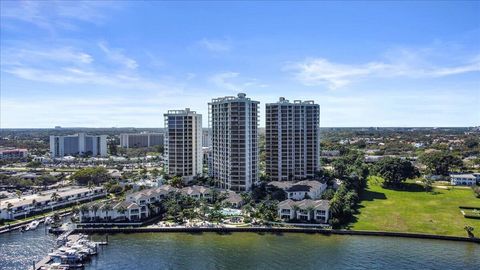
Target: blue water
19,250
250,251
285,251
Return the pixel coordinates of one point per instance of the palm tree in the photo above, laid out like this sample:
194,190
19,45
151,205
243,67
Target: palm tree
203,210
34,202
122,210
107,208
54,198
469,230
9,209
246,197
18,193
95,208
84,209
91,187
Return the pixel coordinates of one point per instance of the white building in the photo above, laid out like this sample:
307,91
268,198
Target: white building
300,190
30,204
113,211
136,140
465,179
292,139
183,143
140,205
305,210
79,144
234,133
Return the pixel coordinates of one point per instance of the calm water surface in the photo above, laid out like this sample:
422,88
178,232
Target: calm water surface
287,251
19,250
251,251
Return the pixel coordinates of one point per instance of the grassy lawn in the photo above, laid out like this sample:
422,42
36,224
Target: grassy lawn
415,210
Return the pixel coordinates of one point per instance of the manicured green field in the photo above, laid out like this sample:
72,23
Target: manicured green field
415,210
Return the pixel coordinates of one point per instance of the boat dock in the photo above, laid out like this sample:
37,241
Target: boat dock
44,262
67,237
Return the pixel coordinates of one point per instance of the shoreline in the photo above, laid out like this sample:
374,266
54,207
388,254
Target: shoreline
16,226
227,230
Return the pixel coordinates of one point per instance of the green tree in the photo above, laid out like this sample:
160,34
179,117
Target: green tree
427,183
112,147
469,230
155,172
395,170
471,142
476,190
94,209
9,209
96,175
122,210
440,162
18,193
268,210
46,180
84,209
176,181
107,208
34,164
75,210
54,197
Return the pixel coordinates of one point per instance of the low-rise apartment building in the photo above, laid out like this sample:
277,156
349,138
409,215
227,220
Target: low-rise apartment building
469,179
145,203
30,204
305,210
13,153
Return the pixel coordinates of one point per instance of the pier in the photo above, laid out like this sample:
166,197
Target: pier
72,239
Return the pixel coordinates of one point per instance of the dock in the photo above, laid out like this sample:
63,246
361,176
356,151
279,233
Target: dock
69,237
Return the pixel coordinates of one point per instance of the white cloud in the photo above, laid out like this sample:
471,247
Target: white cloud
19,56
215,45
232,81
223,80
52,15
320,71
74,75
117,56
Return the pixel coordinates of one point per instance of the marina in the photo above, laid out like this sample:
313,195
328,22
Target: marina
72,252
224,249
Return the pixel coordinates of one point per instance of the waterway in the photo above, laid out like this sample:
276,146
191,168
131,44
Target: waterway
252,251
19,250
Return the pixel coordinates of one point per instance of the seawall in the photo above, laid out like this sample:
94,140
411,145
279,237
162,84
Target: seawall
273,230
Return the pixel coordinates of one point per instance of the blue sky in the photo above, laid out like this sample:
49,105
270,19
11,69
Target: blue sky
119,64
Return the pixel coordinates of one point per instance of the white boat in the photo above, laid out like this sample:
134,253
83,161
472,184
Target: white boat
48,220
32,225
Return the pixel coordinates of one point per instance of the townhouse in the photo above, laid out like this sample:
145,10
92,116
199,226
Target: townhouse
317,211
29,204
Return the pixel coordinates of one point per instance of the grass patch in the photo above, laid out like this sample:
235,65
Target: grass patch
411,210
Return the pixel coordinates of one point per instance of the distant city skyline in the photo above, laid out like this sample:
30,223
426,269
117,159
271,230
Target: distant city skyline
125,64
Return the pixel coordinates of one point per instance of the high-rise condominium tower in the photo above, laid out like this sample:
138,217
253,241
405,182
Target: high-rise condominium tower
234,136
183,143
292,139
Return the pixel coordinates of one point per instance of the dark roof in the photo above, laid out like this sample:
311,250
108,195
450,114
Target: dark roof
299,188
